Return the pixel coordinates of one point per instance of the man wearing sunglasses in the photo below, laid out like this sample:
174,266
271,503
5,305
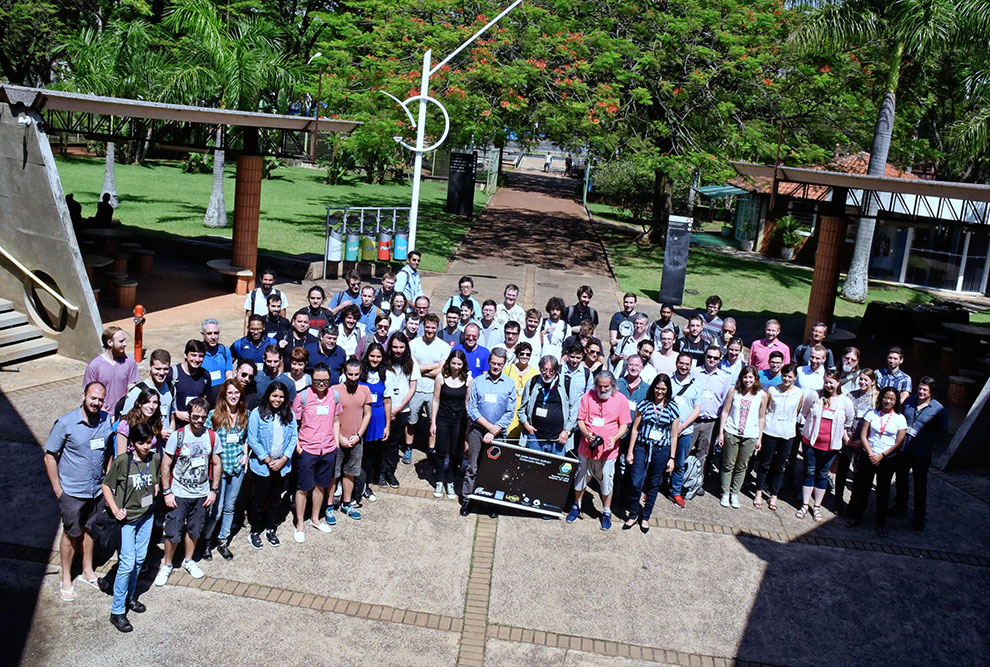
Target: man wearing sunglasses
713,385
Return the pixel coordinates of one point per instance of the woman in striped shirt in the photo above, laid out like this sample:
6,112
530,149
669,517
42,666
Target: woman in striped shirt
655,426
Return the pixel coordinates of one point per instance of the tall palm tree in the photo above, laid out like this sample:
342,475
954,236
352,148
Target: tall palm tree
904,29
226,61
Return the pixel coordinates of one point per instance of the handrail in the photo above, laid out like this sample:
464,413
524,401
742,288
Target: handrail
73,310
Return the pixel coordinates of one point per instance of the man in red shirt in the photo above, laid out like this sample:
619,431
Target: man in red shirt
759,351
355,403
603,419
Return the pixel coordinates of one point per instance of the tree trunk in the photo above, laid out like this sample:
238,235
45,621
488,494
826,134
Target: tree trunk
109,180
663,192
216,212
857,282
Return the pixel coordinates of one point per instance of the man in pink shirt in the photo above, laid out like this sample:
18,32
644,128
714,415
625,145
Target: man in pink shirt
603,419
759,351
355,403
113,368
317,413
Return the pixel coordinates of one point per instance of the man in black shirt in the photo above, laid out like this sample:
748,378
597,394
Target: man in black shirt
581,311
318,315
276,326
189,380
693,342
546,414
298,335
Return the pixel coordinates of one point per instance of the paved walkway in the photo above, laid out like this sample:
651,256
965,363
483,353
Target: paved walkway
413,583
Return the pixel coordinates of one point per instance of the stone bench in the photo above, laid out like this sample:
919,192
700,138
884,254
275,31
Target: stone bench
242,275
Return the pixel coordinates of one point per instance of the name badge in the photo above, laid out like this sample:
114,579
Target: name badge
477,362
632,404
233,438
215,376
542,412
655,434
598,421
322,409
97,443
145,501
197,461
374,398
490,398
911,432
828,413
708,395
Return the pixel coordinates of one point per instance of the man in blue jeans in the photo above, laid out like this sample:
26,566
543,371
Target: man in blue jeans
686,395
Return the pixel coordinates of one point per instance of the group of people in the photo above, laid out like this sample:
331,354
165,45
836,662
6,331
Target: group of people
305,416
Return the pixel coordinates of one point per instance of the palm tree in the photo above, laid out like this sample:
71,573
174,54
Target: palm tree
904,29
224,61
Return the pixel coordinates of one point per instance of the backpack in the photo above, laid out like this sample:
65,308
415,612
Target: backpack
144,385
304,397
567,381
694,478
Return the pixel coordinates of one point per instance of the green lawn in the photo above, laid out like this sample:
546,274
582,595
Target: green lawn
748,287
162,199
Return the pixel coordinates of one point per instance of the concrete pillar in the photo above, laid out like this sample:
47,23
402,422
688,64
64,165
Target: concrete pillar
825,280
247,211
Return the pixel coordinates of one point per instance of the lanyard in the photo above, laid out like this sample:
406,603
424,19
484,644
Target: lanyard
883,424
546,393
146,477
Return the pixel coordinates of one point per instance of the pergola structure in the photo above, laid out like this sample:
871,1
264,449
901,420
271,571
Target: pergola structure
891,197
247,135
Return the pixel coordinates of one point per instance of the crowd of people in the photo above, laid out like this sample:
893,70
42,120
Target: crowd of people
306,416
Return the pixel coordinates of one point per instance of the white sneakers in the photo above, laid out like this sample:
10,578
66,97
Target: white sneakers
299,536
451,494
321,526
734,501
725,500
192,568
438,491
163,573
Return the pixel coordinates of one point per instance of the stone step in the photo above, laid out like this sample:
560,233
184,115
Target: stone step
6,306
10,354
12,335
12,319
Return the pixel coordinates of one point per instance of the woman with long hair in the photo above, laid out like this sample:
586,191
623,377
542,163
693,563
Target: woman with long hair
864,398
401,376
375,436
883,434
272,440
229,420
652,447
741,432
145,411
784,403
449,419
828,415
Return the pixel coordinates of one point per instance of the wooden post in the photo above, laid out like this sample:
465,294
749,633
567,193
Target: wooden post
247,211
825,280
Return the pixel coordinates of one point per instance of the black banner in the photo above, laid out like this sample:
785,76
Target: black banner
524,478
460,183
675,259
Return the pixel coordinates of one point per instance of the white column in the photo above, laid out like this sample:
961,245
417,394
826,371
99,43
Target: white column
962,264
909,241
424,91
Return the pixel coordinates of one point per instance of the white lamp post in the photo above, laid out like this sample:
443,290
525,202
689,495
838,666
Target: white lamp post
424,97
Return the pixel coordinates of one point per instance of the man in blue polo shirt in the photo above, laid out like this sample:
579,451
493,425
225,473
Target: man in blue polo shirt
464,286
217,361
252,347
74,460
491,405
326,351
476,354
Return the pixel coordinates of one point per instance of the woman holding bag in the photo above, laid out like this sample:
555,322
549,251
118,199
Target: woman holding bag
128,498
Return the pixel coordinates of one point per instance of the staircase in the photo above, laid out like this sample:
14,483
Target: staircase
18,339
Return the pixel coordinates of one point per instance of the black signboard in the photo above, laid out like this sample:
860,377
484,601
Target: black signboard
675,259
524,478
460,183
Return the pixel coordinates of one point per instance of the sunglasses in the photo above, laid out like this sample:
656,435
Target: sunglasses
713,357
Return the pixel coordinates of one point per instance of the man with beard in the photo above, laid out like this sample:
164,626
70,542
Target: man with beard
355,403
252,347
297,336
603,419
113,368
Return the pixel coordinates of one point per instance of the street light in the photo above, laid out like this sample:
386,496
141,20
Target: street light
424,97
316,113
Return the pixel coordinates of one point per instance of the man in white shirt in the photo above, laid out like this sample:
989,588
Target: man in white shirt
430,353
256,302
812,376
665,358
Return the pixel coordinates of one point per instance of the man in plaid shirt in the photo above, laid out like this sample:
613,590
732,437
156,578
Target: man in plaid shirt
893,376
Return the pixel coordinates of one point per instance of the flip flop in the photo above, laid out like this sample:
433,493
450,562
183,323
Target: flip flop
94,582
758,504
67,595
772,507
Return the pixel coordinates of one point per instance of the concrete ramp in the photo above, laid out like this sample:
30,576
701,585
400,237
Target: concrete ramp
35,229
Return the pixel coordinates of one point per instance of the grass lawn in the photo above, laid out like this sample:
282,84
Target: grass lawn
160,198
748,287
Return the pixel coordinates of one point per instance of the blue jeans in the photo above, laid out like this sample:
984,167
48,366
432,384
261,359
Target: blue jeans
817,463
545,446
677,478
646,477
223,508
134,539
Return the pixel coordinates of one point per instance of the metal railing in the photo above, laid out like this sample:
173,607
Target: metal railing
73,310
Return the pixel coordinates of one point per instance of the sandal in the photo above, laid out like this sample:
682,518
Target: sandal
801,512
772,506
816,513
758,503
67,595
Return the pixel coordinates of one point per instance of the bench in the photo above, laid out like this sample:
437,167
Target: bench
124,293
241,274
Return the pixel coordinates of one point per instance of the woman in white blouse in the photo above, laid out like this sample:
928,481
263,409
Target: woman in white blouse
743,419
784,402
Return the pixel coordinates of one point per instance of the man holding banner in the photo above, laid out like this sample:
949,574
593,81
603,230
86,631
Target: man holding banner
603,419
491,405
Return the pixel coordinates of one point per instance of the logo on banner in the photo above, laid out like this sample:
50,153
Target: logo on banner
494,452
565,468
